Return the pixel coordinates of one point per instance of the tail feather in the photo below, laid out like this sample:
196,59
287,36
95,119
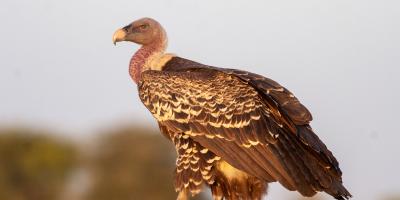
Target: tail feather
323,164
338,191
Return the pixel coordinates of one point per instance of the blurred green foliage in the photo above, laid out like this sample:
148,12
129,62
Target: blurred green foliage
126,163
392,197
133,163
33,166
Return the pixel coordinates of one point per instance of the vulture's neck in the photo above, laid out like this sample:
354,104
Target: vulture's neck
151,56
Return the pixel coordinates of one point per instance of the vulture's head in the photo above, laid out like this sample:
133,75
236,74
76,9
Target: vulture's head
145,31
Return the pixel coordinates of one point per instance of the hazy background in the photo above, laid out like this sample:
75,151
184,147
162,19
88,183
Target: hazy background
59,70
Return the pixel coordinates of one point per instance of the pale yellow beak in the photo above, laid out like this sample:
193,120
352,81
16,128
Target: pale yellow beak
119,36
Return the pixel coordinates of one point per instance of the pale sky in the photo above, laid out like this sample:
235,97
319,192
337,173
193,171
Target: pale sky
59,69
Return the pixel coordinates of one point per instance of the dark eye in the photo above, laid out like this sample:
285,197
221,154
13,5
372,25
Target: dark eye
144,27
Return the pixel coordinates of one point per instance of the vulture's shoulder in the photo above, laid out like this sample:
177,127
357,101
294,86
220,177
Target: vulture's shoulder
267,88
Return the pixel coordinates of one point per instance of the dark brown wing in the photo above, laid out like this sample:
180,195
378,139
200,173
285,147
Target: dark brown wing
228,116
291,107
287,102
273,92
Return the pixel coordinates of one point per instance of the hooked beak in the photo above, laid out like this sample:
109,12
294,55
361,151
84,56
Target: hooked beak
119,36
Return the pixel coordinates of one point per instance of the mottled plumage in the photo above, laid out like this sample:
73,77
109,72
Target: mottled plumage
234,131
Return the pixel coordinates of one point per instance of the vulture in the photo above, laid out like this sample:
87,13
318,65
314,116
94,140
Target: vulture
234,131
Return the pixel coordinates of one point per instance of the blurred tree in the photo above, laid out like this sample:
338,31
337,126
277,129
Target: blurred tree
133,163
392,197
33,166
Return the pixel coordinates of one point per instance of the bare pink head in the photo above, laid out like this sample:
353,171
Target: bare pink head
145,31
150,35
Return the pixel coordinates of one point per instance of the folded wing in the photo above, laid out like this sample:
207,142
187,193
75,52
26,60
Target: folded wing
238,122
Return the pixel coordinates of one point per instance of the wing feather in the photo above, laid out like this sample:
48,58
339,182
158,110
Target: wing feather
232,119
274,95
286,100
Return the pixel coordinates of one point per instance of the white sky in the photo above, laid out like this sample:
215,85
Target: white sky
59,69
